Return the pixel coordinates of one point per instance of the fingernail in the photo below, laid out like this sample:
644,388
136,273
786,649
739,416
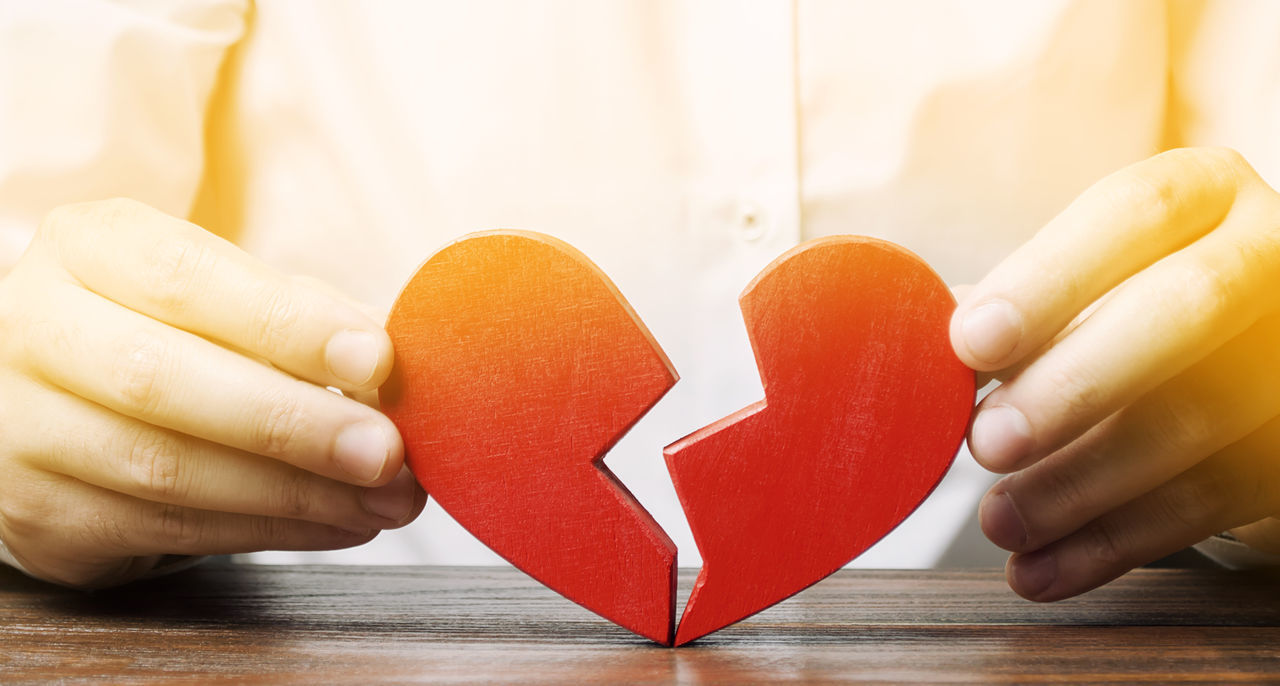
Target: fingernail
992,331
393,501
1000,521
1000,437
352,356
361,450
1034,573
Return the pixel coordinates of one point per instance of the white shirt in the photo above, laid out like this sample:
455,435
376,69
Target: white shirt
680,145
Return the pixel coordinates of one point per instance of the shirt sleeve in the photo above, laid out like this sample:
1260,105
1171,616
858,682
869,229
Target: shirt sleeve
101,99
1232,553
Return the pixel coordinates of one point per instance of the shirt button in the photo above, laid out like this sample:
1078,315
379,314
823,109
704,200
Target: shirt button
752,222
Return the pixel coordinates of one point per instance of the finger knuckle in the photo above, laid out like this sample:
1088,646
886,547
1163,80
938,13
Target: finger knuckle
1196,500
1220,160
180,270
140,372
1149,195
117,214
1067,492
180,527
1054,271
1209,289
46,342
54,221
278,430
1248,266
270,531
62,223
103,530
1104,542
24,514
1076,393
69,225
1177,423
276,321
155,466
1213,165
293,497
1227,156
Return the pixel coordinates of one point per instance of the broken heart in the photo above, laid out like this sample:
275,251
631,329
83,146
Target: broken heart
518,365
865,407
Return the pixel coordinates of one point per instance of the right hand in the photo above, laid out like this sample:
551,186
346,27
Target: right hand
162,392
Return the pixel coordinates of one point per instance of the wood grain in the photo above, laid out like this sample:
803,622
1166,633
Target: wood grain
865,408
321,625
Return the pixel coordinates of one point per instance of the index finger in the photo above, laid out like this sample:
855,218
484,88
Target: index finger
177,273
1115,229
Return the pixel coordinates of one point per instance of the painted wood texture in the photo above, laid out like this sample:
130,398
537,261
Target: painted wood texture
865,408
518,366
373,625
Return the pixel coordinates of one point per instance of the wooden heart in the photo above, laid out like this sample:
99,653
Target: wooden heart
518,366
865,407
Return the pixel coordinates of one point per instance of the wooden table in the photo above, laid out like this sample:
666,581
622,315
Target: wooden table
321,625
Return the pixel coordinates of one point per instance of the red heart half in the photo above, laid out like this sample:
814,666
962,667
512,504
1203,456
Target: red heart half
518,366
865,407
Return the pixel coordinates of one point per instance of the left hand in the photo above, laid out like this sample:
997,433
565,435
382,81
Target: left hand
1138,338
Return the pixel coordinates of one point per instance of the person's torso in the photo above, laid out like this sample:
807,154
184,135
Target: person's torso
681,146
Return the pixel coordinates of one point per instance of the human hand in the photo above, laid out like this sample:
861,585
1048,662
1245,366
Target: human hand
162,392
1138,337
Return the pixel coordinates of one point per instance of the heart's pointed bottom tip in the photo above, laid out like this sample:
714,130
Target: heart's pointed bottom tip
661,633
655,616
697,620
664,638
686,636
